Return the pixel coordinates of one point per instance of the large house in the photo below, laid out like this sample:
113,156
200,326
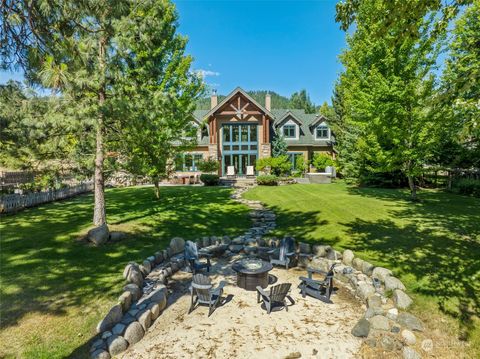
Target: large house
238,130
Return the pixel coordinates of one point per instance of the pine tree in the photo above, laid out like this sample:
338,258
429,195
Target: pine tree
279,145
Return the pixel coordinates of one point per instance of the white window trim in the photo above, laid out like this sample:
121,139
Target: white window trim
297,131
323,124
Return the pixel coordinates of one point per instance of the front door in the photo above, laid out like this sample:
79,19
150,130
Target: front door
239,147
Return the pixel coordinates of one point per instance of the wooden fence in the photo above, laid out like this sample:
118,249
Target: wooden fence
15,202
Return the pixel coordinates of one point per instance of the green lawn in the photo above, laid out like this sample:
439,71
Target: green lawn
55,288
433,245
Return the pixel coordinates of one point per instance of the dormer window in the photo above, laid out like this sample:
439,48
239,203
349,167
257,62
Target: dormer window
289,131
322,132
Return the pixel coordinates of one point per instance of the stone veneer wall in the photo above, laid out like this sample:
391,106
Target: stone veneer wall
386,322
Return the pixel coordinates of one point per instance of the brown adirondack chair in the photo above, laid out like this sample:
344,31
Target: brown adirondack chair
275,297
203,293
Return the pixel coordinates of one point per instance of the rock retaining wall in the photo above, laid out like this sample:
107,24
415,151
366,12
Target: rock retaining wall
386,322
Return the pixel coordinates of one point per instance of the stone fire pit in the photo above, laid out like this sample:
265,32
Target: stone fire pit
251,273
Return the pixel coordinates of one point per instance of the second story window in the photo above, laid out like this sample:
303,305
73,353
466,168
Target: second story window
289,131
322,132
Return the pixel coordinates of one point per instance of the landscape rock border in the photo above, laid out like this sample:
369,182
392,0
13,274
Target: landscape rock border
385,323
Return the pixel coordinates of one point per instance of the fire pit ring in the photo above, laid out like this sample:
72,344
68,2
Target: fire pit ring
252,273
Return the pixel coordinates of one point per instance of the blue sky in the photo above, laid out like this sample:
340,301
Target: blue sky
283,46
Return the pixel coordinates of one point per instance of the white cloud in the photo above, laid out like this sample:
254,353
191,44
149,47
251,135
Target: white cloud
205,73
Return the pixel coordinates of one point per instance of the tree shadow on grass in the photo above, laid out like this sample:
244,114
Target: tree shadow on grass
45,270
439,246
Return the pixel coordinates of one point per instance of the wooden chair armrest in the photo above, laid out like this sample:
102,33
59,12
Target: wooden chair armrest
318,271
220,287
262,291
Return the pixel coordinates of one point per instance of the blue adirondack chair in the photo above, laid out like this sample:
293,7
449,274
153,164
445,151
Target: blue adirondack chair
192,256
286,253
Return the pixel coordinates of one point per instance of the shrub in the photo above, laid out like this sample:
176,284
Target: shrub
278,166
322,160
467,186
267,180
209,179
209,165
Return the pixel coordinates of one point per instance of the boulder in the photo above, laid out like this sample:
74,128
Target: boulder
374,301
145,318
392,313
364,290
392,283
321,263
100,354
116,345
401,300
134,333
177,245
390,343
348,257
113,317
409,321
205,241
373,311
98,344
146,267
367,268
379,322
304,248
235,248
333,254
155,310
214,240
134,289
99,235
117,236
134,274
127,319
304,260
408,337
237,240
155,296
125,301
410,353
151,259
165,254
118,329
226,240
361,329
320,250
158,257
357,263
381,273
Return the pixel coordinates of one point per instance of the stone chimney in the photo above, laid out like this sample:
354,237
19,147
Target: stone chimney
268,101
213,99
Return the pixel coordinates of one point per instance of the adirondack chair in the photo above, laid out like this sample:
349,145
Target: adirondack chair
203,293
192,257
230,171
275,297
286,254
320,289
250,171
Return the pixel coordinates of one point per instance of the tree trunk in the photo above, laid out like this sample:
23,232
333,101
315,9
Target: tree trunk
99,215
156,182
413,188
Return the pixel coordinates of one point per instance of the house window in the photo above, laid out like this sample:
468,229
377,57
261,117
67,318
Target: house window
289,131
321,132
187,162
294,159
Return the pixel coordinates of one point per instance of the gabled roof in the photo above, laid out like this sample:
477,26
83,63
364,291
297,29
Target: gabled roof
229,97
320,119
289,113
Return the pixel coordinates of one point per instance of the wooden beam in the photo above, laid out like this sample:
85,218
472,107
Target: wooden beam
267,130
243,112
263,127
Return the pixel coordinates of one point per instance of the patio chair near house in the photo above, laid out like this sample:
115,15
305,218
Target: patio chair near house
203,293
275,297
192,256
286,253
320,289
250,171
230,171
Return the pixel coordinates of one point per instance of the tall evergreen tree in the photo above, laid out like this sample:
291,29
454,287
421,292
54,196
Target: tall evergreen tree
279,145
387,86
301,100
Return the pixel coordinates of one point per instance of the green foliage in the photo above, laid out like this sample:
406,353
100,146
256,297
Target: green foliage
279,145
300,164
278,166
467,186
301,100
267,180
209,165
322,160
209,179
